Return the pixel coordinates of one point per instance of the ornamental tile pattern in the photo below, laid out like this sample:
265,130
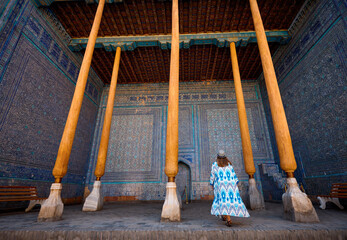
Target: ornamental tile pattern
208,121
37,80
311,72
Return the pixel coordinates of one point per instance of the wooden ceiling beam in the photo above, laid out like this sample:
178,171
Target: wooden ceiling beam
114,24
206,62
164,17
40,3
129,62
221,64
196,53
190,16
227,66
216,14
137,16
207,17
129,43
225,15
67,19
129,16
199,16
153,17
154,9
254,55
202,61
120,18
214,65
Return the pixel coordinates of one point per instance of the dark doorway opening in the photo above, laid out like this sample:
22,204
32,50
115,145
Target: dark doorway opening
183,182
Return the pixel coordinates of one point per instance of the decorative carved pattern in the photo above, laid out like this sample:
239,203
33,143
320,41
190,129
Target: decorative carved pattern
131,143
197,63
188,94
56,24
37,33
129,43
185,128
140,114
134,152
311,72
219,127
135,18
223,133
302,15
35,94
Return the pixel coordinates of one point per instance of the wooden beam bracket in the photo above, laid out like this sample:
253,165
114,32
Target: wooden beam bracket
129,43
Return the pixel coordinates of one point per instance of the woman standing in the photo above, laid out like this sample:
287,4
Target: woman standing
227,200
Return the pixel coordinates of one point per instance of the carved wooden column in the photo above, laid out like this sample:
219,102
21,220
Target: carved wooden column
297,206
53,207
171,208
95,201
255,198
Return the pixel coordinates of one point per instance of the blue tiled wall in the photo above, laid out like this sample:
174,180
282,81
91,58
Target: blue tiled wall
208,121
312,71
37,80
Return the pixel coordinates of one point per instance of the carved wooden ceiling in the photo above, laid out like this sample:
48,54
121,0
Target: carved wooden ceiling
153,17
198,63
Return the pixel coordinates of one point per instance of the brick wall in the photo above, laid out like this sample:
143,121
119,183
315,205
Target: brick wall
311,72
37,80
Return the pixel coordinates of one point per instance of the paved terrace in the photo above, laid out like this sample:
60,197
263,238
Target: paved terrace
141,220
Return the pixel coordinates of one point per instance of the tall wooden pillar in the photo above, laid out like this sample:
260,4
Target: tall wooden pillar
95,200
53,207
241,108
297,206
171,209
255,198
284,142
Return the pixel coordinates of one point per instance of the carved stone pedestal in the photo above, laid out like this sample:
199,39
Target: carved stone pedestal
95,200
324,200
296,205
86,193
256,200
52,208
179,198
171,209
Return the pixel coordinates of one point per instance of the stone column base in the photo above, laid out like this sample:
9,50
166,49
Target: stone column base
86,193
171,209
52,208
324,200
296,205
256,200
179,198
95,200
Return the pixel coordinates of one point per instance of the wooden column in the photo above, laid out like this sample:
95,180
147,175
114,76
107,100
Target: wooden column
62,161
296,205
52,209
171,164
241,108
284,142
105,135
256,200
95,200
171,208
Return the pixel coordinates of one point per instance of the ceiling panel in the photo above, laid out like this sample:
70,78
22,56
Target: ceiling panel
198,63
150,17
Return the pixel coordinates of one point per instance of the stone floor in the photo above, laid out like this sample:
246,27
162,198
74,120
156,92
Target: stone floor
141,220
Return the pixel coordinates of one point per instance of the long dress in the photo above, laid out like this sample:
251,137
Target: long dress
227,199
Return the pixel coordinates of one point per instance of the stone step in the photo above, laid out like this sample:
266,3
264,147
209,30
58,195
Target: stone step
304,234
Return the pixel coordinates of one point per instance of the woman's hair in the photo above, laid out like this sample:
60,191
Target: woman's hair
223,161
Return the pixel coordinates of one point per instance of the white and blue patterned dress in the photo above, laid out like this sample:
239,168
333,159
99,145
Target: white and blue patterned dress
227,199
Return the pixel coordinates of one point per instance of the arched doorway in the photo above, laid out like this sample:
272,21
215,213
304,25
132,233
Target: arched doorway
183,181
